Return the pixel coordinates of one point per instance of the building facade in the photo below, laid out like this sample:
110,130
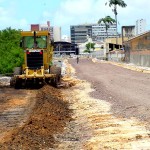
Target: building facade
97,32
55,32
65,48
35,27
137,50
79,33
140,26
128,32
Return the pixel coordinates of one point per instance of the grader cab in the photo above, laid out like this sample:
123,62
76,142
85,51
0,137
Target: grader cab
38,61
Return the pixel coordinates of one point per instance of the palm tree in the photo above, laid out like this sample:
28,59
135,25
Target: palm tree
107,21
114,3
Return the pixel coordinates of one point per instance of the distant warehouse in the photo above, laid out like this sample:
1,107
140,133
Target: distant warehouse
137,50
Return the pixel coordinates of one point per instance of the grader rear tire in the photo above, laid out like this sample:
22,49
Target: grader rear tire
57,71
12,82
16,82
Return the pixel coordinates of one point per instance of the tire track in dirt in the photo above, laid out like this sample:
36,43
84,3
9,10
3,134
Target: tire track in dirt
48,117
15,107
71,119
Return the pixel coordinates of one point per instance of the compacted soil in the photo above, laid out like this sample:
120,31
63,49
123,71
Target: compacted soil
30,118
100,107
128,91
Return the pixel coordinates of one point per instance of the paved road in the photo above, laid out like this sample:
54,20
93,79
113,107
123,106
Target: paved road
127,90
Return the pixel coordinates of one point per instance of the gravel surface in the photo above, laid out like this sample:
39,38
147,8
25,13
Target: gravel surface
105,112
128,91
4,81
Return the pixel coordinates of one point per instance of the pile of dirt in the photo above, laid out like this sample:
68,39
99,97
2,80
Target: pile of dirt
49,117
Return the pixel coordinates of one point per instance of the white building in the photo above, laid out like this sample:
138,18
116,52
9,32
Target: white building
96,31
99,31
140,26
55,32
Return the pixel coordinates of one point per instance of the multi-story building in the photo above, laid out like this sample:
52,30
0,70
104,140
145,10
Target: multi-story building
97,32
128,32
140,26
55,32
79,33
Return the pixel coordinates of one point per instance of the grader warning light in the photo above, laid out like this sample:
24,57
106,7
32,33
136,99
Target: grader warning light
28,52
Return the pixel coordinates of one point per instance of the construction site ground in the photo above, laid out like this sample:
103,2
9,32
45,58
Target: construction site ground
101,106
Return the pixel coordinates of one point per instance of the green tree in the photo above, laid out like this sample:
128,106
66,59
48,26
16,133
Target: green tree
11,55
116,3
90,46
107,21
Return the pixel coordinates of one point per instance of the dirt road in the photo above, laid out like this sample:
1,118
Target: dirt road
95,113
30,118
127,90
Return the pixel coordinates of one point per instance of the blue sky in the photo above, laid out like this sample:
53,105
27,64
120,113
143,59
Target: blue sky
21,13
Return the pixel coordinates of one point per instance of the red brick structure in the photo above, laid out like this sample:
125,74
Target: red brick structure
35,27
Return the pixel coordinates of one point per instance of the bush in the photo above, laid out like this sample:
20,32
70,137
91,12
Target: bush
11,55
86,51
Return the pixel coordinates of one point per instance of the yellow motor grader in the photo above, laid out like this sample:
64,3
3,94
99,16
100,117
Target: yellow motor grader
38,65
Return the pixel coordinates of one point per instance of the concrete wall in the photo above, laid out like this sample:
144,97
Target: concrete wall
137,50
118,57
95,54
140,60
98,54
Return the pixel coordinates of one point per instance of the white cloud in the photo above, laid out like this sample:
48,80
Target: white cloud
23,24
8,19
76,7
73,12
